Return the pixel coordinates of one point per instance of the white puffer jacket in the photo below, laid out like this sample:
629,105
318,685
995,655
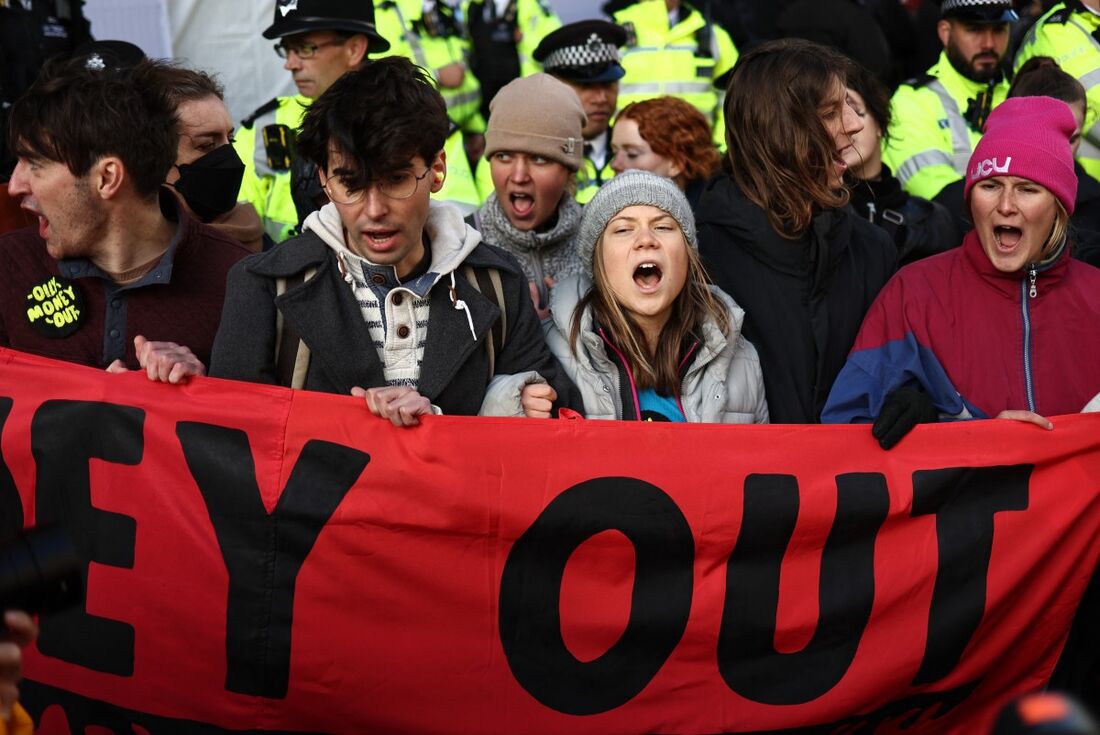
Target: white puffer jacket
722,385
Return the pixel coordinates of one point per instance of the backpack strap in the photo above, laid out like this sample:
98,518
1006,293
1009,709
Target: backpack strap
487,282
291,353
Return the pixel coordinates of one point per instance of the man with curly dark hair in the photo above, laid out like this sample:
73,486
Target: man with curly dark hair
114,273
387,295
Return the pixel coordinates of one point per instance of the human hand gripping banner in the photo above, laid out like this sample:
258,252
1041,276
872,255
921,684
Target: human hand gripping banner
266,560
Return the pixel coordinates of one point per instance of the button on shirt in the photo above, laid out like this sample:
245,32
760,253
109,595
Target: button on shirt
116,296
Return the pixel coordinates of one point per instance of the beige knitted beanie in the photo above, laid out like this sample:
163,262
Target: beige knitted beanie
539,115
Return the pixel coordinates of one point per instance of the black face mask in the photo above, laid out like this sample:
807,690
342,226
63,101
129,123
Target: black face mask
210,184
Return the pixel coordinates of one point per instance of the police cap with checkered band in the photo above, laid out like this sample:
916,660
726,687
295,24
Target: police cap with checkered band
585,52
303,16
979,11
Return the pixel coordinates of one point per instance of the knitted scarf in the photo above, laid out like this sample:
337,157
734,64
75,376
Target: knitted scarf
542,254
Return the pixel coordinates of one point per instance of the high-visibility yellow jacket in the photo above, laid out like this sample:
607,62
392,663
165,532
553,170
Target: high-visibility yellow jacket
535,20
683,60
266,183
1065,33
401,23
461,187
589,179
268,187
930,140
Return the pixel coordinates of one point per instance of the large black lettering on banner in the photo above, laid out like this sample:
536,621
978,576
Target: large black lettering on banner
964,501
747,658
65,435
11,505
530,593
263,553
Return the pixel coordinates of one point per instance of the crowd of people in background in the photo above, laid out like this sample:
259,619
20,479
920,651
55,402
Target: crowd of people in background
711,211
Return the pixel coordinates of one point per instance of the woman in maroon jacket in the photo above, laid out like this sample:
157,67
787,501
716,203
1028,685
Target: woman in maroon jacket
1006,326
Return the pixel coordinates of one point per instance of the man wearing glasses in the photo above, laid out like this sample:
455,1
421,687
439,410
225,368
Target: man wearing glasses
321,40
388,295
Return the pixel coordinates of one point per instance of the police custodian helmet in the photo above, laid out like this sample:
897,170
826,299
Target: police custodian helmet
302,16
979,11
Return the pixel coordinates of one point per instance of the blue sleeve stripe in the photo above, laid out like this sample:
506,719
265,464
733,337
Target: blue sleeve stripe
872,374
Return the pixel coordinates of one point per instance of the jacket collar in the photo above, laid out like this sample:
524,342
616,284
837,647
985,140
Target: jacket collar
958,86
567,294
1048,271
346,352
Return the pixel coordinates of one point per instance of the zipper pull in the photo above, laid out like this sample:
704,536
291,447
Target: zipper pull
870,211
1032,274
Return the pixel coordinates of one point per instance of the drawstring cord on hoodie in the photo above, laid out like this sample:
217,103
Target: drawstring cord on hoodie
344,271
461,306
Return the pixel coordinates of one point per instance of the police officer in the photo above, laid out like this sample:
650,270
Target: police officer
503,36
31,31
672,48
429,34
1068,33
585,55
320,40
939,117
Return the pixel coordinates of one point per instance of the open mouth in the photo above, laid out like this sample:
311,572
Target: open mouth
838,160
43,225
1007,237
647,276
379,237
522,204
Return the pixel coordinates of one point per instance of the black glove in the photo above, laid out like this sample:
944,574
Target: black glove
901,411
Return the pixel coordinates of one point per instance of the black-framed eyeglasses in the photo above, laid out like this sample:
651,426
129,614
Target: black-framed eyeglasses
396,185
304,50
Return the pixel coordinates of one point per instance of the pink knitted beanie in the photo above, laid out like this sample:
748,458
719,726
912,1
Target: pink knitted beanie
1028,137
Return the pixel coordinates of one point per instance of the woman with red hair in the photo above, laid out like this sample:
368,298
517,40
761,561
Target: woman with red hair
668,137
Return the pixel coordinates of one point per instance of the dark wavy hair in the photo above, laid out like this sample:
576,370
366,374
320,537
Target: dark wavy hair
378,117
780,153
187,85
1040,76
876,97
76,116
677,131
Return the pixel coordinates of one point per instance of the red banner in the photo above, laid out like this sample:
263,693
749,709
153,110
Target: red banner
261,559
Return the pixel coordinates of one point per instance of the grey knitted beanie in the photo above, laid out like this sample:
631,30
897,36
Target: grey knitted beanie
537,114
626,190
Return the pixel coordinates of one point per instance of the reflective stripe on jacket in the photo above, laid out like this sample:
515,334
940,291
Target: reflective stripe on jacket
1066,35
670,61
589,179
398,22
268,189
930,142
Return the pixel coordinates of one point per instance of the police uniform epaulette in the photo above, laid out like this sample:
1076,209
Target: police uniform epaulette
272,104
918,81
1060,16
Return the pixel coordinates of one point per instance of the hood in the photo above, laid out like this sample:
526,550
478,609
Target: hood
452,240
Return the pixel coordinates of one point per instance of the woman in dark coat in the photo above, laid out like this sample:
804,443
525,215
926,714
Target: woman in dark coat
776,234
918,227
